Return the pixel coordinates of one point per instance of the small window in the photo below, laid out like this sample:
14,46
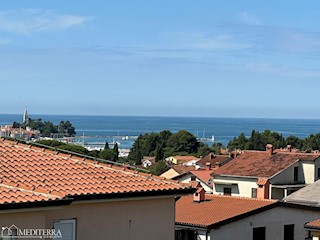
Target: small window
193,178
288,233
254,193
67,228
318,173
227,191
259,233
295,174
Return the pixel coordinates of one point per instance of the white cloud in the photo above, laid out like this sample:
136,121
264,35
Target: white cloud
28,21
248,18
203,41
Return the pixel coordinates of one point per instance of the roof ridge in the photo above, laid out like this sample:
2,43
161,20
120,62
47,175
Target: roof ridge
244,198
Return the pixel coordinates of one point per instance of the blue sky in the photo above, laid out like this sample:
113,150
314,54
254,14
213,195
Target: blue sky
165,58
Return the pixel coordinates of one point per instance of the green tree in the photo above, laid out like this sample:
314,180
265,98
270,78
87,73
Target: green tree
116,152
183,141
216,147
66,129
106,146
48,129
295,142
159,154
107,154
159,168
16,125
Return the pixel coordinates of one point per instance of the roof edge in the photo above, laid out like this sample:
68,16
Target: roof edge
244,215
133,194
36,204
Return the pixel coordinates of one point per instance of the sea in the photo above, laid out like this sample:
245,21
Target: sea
96,130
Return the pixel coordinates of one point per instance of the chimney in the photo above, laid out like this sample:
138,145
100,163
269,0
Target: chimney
269,149
199,195
289,148
208,166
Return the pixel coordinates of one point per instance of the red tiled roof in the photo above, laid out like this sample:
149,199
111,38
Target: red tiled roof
185,158
213,159
204,175
35,174
262,181
261,164
181,169
215,209
314,224
10,194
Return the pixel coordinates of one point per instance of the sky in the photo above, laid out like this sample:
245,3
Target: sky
203,58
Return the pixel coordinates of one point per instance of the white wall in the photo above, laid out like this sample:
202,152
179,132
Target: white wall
308,172
274,221
187,178
240,186
287,175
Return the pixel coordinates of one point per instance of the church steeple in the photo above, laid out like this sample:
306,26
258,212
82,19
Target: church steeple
25,117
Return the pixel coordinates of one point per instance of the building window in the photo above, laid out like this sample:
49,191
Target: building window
295,174
259,233
253,192
318,173
227,191
288,233
193,178
67,228
185,235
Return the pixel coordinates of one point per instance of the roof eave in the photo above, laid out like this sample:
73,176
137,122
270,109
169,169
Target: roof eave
36,204
191,225
175,192
235,176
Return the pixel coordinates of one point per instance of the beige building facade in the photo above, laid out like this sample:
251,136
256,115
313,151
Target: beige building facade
134,219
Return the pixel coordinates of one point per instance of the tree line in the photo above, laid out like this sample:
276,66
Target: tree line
258,141
111,154
47,128
165,144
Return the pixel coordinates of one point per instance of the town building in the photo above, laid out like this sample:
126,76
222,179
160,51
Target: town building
313,229
82,198
215,217
203,176
267,174
214,160
308,198
186,160
148,161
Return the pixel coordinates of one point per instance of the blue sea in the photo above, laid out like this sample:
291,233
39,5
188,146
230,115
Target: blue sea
124,129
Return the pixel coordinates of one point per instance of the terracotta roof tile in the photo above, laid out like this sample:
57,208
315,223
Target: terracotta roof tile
215,209
314,224
204,176
49,173
185,158
262,164
213,159
181,169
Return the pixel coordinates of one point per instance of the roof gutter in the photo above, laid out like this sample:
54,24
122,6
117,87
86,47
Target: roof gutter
36,204
234,176
177,192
